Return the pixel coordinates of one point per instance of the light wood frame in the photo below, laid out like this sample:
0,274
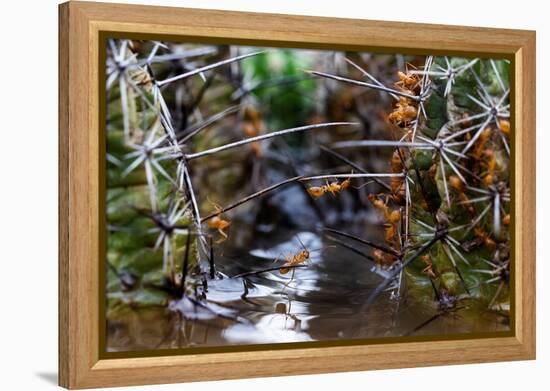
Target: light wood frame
80,24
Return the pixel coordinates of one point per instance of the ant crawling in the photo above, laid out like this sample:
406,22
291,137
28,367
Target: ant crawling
218,223
333,188
295,260
408,81
404,112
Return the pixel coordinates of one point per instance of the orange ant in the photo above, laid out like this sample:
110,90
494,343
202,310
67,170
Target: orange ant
254,118
397,183
465,119
428,270
336,187
390,216
294,260
397,186
458,186
403,113
456,183
252,125
392,219
396,162
379,256
485,237
249,130
383,259
487,156
142,78
408,82
218,223
490,177
481,142
333,188
405,110
504,125
316,191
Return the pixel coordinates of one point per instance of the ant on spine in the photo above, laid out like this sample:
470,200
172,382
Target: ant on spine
218,223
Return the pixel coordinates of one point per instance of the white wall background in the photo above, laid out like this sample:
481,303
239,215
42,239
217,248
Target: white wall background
28,193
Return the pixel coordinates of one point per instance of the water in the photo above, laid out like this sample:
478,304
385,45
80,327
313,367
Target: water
323,301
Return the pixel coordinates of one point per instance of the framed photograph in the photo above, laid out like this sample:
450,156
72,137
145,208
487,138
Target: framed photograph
247,195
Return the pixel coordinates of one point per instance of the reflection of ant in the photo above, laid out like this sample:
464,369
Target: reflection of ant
333,188
281,308
218,223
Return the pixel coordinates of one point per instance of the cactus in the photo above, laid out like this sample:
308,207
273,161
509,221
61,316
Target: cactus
154,214
449,217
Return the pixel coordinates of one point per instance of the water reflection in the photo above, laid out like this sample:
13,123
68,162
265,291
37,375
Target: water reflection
323,301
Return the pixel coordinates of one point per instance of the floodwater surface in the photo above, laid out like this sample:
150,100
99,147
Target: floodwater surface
324,300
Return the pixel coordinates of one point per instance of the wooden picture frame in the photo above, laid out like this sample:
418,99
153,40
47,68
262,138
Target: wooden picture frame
80,27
